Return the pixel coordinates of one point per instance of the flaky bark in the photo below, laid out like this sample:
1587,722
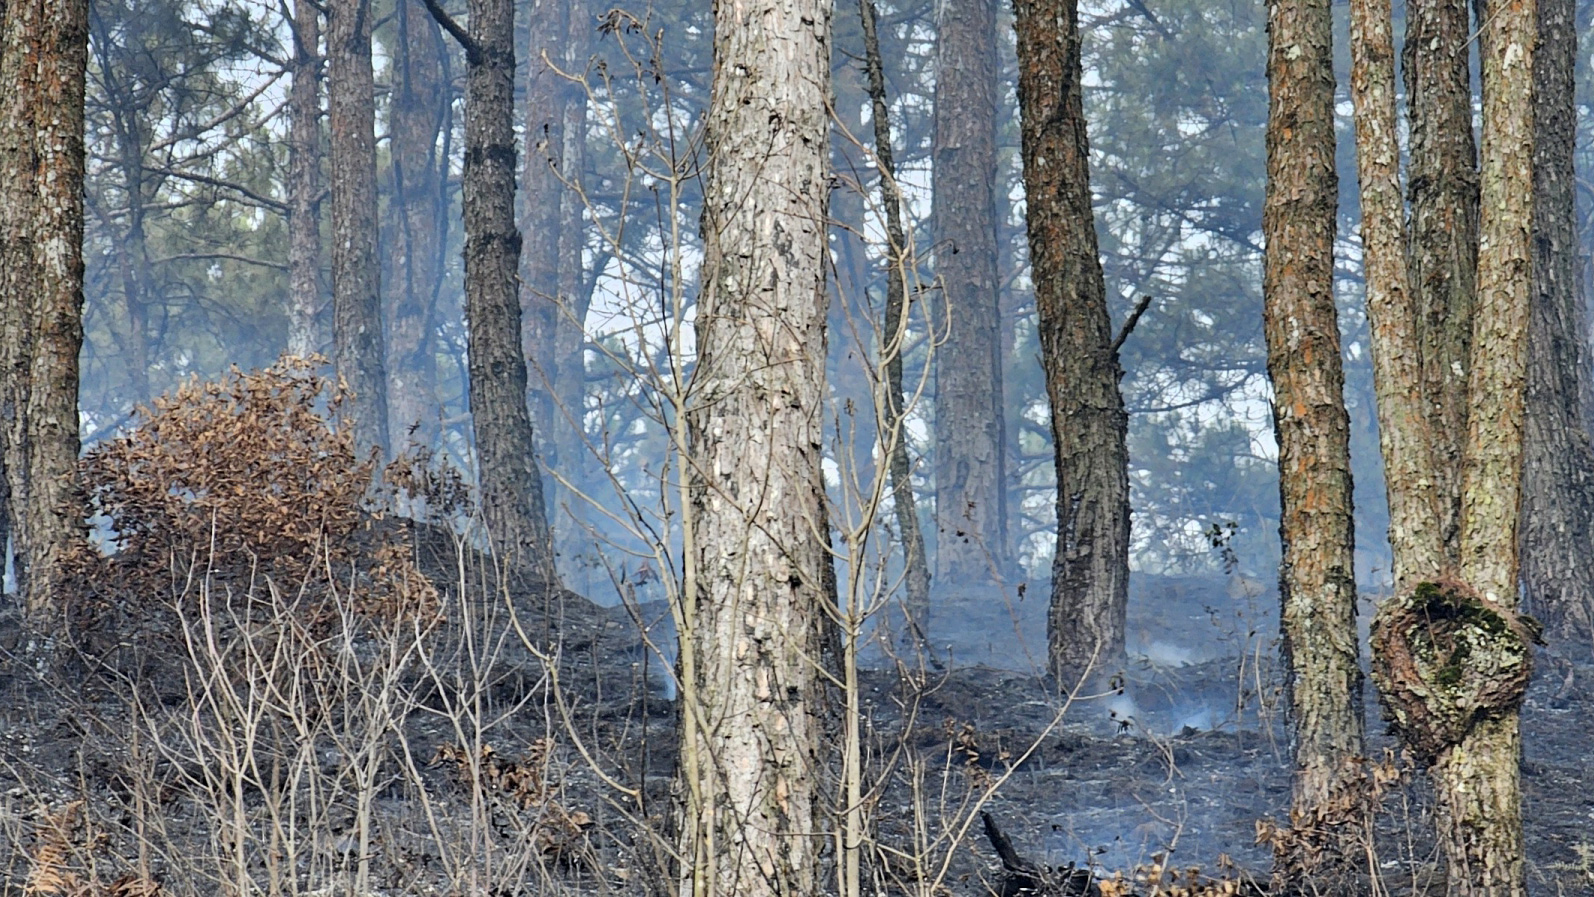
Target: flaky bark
304,183
1558,487
43,63
916,570
970,433
1317,587
1415,524
416,117
1090,575
1478,781
1443,249
511,484
356,304
754,604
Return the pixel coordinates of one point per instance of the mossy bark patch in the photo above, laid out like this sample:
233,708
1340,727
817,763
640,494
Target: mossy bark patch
1444,658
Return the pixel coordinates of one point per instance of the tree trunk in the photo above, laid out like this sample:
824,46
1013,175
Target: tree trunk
1416,533
1090,574
1317,586
304,184
1478,780
43,63
916,570
1443,253
970,443
356,305
511,484
541,198
1558,487
416,118
755,620
570,331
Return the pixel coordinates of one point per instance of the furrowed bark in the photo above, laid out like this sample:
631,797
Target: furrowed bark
756,616
1443,250
1090,575
1558,487
1317,587
356,303
304,184
970,438
43,63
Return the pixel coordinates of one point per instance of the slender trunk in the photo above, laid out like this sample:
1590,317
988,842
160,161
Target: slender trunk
416,118
541,199
43,63
970,445
1477,782
916,579
304,184
1317,586
1443,248
511,484
1558,487
356,305
570,333
757,624
1415,532
1090,573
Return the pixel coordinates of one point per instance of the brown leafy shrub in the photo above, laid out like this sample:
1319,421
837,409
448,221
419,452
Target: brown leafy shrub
241,486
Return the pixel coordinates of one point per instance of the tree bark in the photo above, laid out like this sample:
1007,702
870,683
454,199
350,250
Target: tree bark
756,596
916,570
1317,586
1477,782
1443,252
1090,574
305,335
1558,487
970,439
575,296
43,64
541,198
418,172
1416,533
511,484
356,304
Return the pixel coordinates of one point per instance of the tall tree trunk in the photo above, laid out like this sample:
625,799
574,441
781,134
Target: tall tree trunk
970,443
1317,586
575,295
1090,574
1558,487
916,570
1443,253
1478,780
1452,682
43,65
1416,532
755,598
356,304
416,118
511,484
304,184
540,203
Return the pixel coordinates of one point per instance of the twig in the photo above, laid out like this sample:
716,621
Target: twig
1129,324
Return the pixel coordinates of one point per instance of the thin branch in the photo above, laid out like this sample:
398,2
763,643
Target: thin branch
266,201
473,50
1129,325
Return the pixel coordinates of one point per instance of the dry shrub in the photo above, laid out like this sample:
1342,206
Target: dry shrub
242,483
523,784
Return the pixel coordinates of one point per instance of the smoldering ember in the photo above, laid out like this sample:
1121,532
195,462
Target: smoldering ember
784,447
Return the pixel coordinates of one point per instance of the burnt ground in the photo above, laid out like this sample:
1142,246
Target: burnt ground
104,779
